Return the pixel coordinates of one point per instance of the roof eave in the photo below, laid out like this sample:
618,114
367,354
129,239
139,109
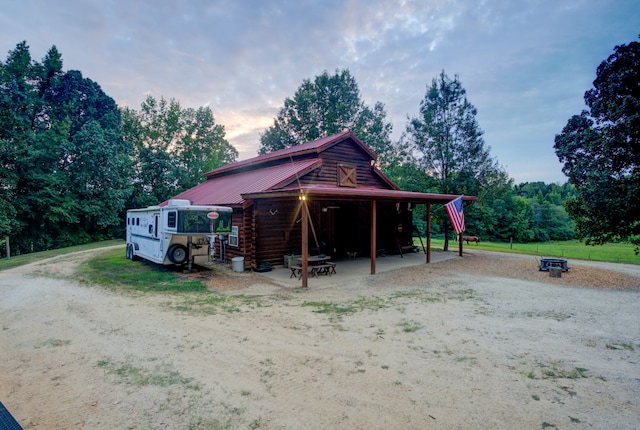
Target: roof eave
359,193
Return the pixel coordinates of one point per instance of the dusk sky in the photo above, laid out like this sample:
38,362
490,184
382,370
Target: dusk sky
525,64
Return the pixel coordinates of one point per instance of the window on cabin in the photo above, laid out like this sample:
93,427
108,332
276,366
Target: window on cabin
347,176
233,237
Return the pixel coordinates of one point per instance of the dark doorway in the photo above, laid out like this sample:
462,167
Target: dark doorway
352,227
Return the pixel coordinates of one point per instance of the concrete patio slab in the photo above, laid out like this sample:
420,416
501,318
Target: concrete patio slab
349,269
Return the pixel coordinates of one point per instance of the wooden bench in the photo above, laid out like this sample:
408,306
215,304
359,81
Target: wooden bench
296,271
333,267
321,269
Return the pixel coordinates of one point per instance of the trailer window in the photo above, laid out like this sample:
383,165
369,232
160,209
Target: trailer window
204,222
171,219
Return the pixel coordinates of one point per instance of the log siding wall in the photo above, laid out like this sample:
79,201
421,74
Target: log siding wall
269,229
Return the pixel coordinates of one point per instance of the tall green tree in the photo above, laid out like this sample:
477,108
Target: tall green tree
600,149
446,143
173,148
202,148
65,164
16,117
325,106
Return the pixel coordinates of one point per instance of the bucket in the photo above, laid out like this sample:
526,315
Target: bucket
237,263
555,272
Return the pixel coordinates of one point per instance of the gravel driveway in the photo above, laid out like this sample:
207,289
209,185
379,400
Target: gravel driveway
477,342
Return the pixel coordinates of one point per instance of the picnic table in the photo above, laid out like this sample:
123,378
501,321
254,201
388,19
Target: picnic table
318,265
553,263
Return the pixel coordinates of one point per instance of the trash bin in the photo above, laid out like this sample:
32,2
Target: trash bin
237,263
555,272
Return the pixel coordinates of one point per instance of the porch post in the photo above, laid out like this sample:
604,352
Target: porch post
428,232
460,245
305,243
374,241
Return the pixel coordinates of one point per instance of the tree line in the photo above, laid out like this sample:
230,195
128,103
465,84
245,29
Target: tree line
73,162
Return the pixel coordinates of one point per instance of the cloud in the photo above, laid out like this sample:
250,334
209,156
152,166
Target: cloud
525,65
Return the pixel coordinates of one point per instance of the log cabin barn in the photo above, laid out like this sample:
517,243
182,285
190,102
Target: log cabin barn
321,197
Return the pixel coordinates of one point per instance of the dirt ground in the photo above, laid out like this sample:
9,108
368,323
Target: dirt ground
483,341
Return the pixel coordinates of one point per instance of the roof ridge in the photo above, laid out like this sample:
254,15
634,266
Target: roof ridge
316,146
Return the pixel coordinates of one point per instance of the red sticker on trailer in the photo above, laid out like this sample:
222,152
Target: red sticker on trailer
213,215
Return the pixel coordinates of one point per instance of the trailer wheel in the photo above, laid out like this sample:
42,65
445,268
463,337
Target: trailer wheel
177,254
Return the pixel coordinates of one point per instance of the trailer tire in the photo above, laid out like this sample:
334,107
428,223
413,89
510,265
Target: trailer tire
177,254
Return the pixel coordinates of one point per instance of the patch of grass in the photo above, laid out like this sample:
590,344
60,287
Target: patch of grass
214,303
161,375
255,424
208,305
330,307
372,303
623,345
410,326
554,315
375,303
463,359
209,423
361,304
556,371
112,269
410,294
53,343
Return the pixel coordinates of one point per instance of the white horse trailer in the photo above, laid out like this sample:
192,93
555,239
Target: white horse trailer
176,233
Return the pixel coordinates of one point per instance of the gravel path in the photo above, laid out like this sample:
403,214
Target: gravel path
477,342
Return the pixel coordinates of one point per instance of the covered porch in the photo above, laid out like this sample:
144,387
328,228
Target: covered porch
348,269
338,222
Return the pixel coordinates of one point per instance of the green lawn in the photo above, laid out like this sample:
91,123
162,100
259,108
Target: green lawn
572,249
112,269
615,252
19,260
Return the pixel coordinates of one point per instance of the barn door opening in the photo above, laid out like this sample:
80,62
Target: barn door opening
352,229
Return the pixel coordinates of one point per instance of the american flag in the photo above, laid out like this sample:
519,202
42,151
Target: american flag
454,209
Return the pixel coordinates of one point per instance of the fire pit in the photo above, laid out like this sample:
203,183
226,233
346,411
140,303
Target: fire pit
553,263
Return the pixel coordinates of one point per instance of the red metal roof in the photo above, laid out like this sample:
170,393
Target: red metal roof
315,146
228,190
234,183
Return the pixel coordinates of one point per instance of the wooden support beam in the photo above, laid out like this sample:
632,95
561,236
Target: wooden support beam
305,243
374,241
460,244
428,232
